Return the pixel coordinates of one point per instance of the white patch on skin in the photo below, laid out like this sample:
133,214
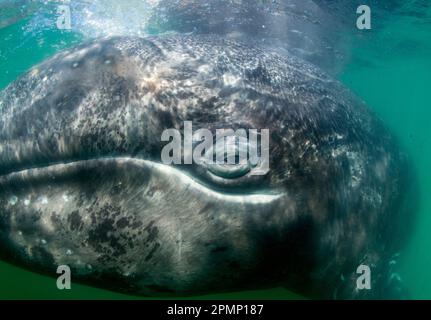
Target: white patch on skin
153,2
230,80
13,200
204,69
27,202
61,144
65,197
34,72
339,136
356,168
43,200
188,83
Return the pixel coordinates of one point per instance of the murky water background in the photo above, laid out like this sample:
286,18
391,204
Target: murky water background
389,67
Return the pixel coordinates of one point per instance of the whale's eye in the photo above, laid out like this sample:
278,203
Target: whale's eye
230,159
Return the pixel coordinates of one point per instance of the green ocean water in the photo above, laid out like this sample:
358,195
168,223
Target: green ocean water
391,72
389,68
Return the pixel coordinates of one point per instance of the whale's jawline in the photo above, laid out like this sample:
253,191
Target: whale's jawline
70,169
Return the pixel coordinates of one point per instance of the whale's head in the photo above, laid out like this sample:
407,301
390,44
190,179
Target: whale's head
83,182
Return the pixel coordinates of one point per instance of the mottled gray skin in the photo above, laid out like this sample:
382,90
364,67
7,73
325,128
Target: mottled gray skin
82,184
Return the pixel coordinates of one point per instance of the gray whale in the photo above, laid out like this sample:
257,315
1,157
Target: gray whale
82,183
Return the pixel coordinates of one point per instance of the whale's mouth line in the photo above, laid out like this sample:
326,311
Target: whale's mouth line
55,170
